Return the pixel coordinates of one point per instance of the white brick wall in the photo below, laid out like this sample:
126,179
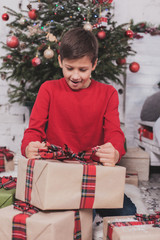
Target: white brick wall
14,118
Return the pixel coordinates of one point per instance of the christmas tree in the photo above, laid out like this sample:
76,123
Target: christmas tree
32,45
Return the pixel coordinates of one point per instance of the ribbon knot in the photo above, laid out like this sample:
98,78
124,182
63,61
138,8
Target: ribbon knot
8,182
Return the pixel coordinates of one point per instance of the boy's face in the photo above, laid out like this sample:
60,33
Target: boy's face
77,72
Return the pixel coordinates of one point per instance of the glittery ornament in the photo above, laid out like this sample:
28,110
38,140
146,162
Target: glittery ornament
34,30
88,27
32,14
36,61
12,42
48,53
50,37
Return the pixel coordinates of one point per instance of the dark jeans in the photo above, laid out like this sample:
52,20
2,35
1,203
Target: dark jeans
128,209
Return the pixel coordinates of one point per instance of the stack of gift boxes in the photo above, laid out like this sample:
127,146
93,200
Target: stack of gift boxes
54,199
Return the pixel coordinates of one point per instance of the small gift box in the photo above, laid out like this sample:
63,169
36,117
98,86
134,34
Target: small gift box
7,191
6,160
27,222
130,227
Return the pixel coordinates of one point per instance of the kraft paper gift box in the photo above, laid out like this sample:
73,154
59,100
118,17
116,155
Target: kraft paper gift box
137,160
139,231
6,160
50,225
58,185
132,178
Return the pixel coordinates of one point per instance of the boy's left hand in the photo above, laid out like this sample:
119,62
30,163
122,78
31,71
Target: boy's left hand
108,155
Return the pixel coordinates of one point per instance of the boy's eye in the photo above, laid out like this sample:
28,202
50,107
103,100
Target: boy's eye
69,69
83,69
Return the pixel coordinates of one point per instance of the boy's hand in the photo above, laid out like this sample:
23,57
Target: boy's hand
108,155
32,149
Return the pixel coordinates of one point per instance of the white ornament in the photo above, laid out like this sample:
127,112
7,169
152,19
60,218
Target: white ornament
88,27
48,53
22,21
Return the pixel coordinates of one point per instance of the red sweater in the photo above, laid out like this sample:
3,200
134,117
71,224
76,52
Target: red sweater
81,119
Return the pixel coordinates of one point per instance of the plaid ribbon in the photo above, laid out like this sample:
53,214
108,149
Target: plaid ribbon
122,224
84,157
29,179
19,220
88,186
77,226
8,182
155,218
4,153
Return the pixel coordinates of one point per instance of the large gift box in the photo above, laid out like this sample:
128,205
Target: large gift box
6,160
7,191
129,228
137,160
62,225
53,185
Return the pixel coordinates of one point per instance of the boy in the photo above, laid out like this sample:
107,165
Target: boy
79,111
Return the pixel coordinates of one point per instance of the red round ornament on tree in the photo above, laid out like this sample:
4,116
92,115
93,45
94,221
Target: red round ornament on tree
12,42
32,14
129,33
5,16
134,67
36,61
101,34
121,61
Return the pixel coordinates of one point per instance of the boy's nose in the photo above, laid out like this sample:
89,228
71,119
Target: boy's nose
75,76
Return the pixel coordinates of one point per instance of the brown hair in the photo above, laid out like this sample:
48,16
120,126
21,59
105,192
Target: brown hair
77,43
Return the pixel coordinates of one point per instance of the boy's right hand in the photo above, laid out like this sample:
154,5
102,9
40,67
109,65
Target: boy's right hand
32,149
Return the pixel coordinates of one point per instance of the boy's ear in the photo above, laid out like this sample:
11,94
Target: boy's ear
95,64
59,60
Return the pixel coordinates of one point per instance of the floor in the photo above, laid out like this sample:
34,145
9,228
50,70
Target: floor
150,190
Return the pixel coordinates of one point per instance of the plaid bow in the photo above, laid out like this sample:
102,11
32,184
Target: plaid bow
4,153
19,220
8,182
59,153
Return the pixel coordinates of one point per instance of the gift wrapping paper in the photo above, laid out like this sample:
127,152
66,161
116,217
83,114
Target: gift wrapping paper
49,225
55,185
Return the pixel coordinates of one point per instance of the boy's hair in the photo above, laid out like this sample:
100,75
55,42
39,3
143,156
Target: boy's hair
77,43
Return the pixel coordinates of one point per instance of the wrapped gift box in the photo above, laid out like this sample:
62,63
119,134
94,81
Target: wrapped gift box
58,185
132,178
137,160
6,160
6,197
139,231
47,225
7,191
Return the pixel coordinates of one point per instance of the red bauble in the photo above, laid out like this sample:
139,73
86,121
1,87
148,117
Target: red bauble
5,16
101,34
36,61
32,14
129,33
121,61
134,67
12,42
105,1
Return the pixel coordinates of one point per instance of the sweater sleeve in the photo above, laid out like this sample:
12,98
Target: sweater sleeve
38,119
112,130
